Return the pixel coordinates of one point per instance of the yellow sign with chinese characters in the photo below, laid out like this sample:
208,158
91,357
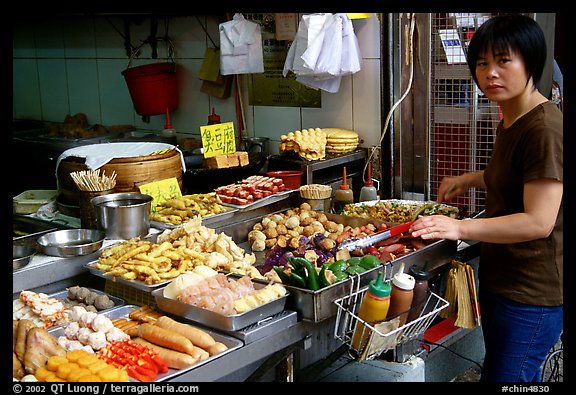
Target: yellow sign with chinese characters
218,139
161,191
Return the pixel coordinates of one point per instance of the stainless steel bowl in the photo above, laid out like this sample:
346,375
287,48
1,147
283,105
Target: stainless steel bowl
21,255
69,243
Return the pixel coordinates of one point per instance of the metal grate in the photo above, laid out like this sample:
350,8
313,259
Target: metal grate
463,121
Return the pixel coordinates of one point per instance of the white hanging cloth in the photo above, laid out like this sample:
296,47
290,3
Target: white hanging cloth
240,47
325,48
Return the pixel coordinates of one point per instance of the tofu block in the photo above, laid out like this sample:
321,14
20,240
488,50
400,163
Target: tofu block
243,157
233,160
217,162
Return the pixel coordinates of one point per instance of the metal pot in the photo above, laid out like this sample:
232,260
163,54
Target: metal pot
256,144
123,215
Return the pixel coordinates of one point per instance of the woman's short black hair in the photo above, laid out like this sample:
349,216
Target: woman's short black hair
517,33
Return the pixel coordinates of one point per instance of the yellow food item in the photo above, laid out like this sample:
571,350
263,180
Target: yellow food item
90,378
42,373
309,144
75,375
87,360
65,369
97,366
52,377
112,374
55,361
74,356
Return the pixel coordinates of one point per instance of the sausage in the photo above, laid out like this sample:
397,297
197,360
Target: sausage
217,348
198,337
166,338
174,359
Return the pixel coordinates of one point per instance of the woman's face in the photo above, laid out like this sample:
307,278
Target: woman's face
502,75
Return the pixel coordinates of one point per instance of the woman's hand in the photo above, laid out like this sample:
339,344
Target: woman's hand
436,227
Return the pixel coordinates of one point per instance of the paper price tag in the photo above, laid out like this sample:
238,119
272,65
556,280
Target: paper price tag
161,191
218,139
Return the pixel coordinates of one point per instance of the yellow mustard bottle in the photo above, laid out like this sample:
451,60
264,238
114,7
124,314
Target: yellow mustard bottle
373,309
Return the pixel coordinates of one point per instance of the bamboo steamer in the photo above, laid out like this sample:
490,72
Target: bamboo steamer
131,173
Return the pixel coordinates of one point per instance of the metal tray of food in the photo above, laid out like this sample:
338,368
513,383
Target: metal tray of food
117,301
206,221
219,321
316,306
276,197
124,311
398,210
91,266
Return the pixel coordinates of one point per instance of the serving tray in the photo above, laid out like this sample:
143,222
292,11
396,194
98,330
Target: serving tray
91,266
117,301
219,321
124,311
206,221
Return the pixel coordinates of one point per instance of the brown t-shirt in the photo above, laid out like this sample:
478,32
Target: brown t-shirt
532,148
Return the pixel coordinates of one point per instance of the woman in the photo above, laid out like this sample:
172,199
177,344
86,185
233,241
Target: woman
521,258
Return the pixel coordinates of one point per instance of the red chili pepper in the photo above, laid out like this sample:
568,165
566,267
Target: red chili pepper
138,364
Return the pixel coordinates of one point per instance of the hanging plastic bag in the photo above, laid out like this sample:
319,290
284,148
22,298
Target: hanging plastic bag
240,47
325,48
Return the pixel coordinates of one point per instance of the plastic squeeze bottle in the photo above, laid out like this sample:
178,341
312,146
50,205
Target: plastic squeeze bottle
401,295
344,195
213,118
373,308
368,191
420,291
169,132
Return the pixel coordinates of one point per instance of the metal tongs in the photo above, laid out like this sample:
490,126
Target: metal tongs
354,244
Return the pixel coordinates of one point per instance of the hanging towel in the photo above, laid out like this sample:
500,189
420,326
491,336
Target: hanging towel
240,47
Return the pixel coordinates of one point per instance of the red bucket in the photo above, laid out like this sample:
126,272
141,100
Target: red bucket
153,88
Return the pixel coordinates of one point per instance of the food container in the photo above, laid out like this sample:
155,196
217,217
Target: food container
62,295
21,255
291,178
69,243
316,306
30,201
137,284
219,321
123,215
124,312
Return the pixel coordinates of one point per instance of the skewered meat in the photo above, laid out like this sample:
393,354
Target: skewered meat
103,302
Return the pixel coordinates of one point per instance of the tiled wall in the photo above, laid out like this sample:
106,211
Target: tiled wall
67,65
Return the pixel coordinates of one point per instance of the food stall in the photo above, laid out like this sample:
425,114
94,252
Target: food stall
295,330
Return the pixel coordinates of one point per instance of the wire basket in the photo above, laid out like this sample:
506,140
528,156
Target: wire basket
377,338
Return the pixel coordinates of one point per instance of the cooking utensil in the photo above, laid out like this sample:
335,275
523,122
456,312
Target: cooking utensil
354,244
123,215
69,243
21,255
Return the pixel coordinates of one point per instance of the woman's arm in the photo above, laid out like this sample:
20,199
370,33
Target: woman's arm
542,199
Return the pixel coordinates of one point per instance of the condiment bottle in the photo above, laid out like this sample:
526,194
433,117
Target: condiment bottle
213,118
401,295
373,308
368,191
420,291
169,132
344,195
